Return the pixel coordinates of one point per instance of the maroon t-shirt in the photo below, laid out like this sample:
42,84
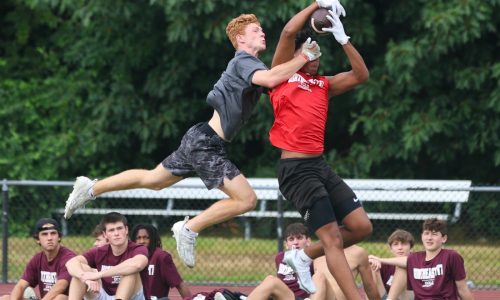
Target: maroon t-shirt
287,275
102,258
43,273
162,275
387,274
435,279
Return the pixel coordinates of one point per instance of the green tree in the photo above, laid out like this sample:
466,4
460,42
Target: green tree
95,87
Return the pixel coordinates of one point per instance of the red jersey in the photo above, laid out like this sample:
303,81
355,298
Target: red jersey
300,108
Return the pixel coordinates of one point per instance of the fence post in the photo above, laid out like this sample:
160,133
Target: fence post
5,229
279,222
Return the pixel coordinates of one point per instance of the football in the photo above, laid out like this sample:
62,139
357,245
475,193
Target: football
319,20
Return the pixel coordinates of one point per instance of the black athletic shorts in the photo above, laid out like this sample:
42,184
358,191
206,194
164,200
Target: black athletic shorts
318,193
203,153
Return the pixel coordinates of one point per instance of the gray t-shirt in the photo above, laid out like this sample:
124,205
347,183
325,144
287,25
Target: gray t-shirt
234,96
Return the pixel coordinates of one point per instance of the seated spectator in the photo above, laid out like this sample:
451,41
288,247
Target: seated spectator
162,272
357,258
400,243
120,266
285,285
435,273
47,268
98,234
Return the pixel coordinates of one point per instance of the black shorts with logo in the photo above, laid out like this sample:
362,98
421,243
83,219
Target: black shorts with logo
203,153
318,193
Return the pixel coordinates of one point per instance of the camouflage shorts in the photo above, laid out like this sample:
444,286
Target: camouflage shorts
203,153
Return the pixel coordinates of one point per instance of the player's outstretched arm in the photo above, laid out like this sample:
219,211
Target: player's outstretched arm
345,81
286,44
278,74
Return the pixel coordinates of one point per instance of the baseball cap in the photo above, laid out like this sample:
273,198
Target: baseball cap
46,224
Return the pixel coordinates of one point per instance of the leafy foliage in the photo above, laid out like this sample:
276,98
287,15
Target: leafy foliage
95,87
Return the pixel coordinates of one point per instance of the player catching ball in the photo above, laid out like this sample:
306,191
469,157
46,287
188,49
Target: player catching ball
202,151
300,109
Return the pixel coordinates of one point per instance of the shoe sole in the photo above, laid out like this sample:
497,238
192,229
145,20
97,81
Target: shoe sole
289,262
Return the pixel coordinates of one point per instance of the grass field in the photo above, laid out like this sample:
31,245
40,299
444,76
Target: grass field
236,260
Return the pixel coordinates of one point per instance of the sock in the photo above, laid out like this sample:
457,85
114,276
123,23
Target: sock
91,193
190,232
303,257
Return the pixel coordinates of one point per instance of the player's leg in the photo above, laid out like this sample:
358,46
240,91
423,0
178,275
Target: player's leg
321,284
302,182
331,240
271,287
208,158
85,189
78,289
348,210
332,290
129,286
155,179
398,285
242,198
173,169
321,219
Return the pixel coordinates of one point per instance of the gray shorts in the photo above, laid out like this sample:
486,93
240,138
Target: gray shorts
202,153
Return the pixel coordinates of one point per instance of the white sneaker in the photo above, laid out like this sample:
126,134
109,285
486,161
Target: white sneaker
185,242
29,294
219,296
79,196
302,269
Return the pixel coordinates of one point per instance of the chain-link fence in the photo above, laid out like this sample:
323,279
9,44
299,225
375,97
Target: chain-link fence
241,251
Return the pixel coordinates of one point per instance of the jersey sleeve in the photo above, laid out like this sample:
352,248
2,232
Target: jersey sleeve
31,271
90,256
277,260
140,249
62,272
169,272
456,266
247,65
